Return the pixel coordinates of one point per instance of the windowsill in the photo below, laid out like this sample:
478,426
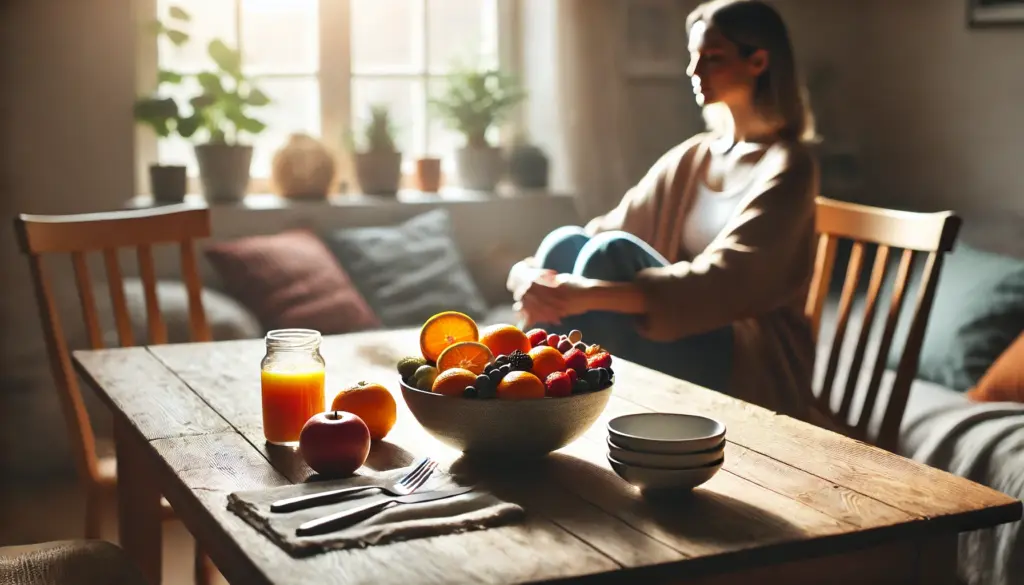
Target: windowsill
265,201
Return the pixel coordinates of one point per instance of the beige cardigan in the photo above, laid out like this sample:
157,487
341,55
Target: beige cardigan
754,275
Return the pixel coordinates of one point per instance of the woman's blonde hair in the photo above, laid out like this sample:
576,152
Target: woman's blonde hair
779,95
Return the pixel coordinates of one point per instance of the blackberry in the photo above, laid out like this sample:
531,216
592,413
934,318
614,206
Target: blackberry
487,392
469,392
520,361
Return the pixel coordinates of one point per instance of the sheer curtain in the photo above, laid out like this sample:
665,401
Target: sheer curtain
574,64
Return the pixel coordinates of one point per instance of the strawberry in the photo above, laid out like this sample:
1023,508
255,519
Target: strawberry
576,360
601,359
572,375
536,336
558,384
553,340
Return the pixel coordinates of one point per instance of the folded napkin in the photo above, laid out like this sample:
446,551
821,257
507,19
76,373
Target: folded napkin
475,510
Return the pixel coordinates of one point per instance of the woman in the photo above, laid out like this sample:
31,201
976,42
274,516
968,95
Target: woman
702,270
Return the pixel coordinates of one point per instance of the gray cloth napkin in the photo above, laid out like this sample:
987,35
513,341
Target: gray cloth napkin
475,510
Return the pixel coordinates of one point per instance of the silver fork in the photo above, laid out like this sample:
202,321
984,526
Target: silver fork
405,485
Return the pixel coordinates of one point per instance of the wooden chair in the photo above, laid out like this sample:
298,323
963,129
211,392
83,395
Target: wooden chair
916,234
106,233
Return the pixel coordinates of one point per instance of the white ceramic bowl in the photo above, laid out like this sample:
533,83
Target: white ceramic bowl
649,478
666,460
656,432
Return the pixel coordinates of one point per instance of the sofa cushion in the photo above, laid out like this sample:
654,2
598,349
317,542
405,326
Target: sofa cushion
1004,381
978,312
409,271
290,279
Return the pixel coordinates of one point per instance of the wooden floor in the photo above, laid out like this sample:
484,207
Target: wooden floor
54,511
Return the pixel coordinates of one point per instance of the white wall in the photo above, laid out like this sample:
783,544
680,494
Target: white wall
944,108
67,79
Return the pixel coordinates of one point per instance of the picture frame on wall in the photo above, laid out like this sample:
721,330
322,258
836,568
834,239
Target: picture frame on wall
992,13
654,45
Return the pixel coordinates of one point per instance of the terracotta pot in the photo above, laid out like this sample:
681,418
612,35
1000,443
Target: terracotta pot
167,183
428,175
480,168
224,170
379,173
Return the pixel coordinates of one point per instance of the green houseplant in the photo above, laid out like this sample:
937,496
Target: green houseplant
162,114
378,162
473,102
221,113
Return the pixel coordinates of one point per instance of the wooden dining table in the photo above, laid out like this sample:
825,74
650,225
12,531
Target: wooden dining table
793,503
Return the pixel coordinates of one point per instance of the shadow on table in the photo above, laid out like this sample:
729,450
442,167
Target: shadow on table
715,515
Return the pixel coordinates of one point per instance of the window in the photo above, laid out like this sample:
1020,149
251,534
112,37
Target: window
323,62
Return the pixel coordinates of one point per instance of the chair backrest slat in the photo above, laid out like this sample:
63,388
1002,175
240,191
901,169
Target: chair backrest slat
88,300
907,369
885,344
845,306
154,320
878,272
823,262
108,233
115,283
914,233
76,417
198,327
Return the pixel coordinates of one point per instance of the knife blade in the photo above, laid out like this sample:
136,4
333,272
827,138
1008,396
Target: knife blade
345,518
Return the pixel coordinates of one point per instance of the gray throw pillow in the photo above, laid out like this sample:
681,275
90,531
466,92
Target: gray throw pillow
410,271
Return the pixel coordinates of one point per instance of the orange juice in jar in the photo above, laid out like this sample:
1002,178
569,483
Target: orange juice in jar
292,377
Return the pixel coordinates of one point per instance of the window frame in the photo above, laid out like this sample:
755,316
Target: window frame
334,76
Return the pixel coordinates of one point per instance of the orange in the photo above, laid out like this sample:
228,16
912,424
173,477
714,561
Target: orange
503,339
468,355
444,329
453,382
546,361
520,386
370,402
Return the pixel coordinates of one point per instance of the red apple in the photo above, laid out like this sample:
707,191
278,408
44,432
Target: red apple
335,443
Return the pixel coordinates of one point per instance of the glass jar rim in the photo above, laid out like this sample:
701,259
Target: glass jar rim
293,338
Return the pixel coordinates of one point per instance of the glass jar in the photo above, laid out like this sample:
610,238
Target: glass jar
292,379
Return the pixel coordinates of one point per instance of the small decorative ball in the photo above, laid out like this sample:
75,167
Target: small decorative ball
303,168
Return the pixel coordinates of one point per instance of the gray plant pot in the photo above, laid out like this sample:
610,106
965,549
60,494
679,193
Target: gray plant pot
378,173
167,183
224,170
479,169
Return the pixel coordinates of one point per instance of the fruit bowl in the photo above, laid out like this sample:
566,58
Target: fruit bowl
521,428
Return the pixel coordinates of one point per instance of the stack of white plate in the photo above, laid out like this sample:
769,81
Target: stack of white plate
656,451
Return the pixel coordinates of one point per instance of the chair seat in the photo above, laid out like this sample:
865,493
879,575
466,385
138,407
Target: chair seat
106,466
70,562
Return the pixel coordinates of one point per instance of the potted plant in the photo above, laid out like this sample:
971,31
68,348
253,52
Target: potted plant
167,182
473,102
221,111
378,162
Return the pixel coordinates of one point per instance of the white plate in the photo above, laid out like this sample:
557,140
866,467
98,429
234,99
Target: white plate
656,432
666,460
648,478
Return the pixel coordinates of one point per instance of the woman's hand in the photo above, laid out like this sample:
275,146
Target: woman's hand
551,297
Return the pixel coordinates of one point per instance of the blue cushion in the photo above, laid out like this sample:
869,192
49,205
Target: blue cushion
410,271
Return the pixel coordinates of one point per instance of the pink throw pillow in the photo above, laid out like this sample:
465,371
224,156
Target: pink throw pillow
291,279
